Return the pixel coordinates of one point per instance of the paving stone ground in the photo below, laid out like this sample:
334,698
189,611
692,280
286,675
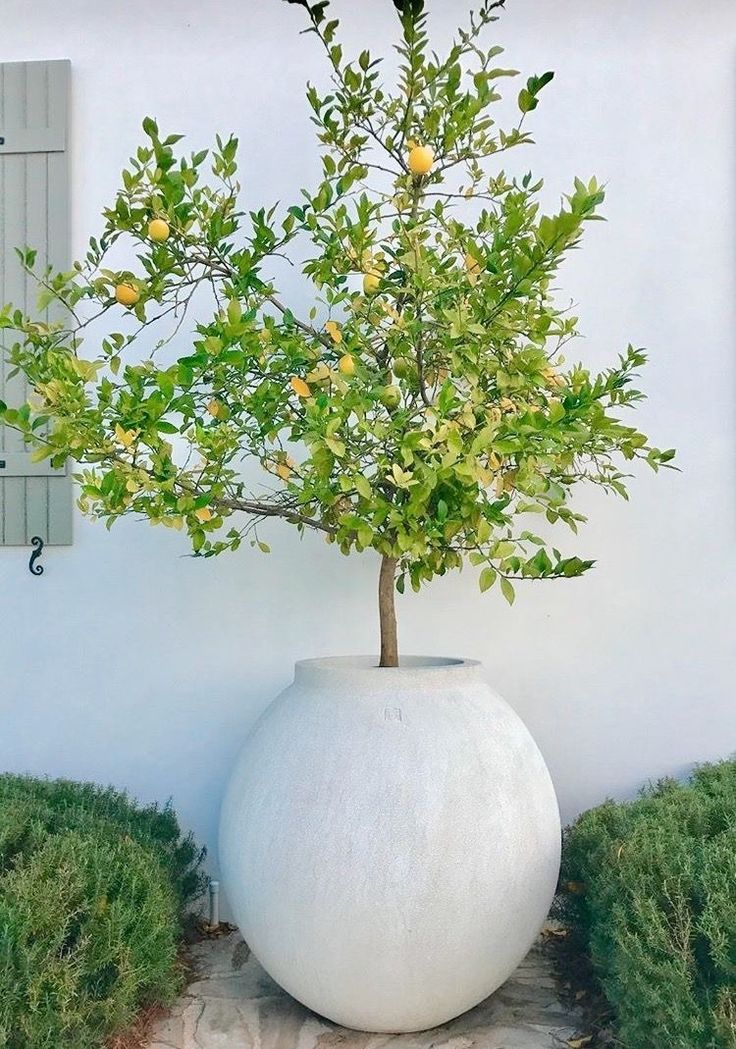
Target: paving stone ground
234,1004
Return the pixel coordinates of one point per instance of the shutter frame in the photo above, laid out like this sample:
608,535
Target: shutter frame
34,211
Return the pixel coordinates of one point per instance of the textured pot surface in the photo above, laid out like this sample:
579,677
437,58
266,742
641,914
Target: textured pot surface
390,841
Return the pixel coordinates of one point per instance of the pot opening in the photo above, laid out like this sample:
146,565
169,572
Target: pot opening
348,663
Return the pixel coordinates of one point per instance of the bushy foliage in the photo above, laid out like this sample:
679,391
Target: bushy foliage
423,407
649,891
91,895
43,807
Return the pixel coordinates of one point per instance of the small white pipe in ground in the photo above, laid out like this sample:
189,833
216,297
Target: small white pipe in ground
214,904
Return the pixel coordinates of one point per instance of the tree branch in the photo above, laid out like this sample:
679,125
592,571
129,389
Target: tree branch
257,509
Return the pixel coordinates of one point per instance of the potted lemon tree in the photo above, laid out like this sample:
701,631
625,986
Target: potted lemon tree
390,837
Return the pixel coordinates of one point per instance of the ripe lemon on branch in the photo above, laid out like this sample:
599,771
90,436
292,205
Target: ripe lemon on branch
473,267
421,160
347,365
127,295
158,230
371,282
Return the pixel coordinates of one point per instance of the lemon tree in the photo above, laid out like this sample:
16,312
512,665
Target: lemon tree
426,406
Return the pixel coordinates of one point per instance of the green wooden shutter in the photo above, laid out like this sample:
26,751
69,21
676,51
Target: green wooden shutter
34,211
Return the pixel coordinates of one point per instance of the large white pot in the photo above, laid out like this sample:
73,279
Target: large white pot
390,841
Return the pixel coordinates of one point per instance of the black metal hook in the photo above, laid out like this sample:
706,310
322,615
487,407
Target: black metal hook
37,544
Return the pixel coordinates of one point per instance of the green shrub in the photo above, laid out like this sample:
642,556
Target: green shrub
92,893
51,806
651,898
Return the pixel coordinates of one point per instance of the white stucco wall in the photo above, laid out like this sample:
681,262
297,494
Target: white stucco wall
128,663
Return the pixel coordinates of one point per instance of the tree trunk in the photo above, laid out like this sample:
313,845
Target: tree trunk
387,613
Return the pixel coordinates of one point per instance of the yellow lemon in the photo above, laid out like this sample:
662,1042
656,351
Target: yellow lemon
333,330
204,514
421,160
127,295
472,265
347,365
371,282
299,387
158,230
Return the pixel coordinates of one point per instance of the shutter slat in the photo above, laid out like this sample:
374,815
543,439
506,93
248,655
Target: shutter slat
14,290
37,115
13,283
34,211
59,252
30,140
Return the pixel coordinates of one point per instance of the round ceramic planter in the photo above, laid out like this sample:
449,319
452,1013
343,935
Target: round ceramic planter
390,841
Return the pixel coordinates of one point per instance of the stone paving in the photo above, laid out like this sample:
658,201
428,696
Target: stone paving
234,1004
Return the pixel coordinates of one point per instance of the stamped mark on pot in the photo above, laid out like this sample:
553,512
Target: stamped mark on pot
393,714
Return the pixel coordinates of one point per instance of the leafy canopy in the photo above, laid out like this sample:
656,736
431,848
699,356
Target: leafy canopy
422,408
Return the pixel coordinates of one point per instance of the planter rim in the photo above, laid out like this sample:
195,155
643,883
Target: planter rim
428,669
371,663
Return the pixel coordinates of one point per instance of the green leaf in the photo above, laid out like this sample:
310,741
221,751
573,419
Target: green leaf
150,127
185,374
504,548
165,383
574,566
409,8
543,80
45,297
556,412
528,95
527,101
507,590
362,487
336,447
487,578
365,535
